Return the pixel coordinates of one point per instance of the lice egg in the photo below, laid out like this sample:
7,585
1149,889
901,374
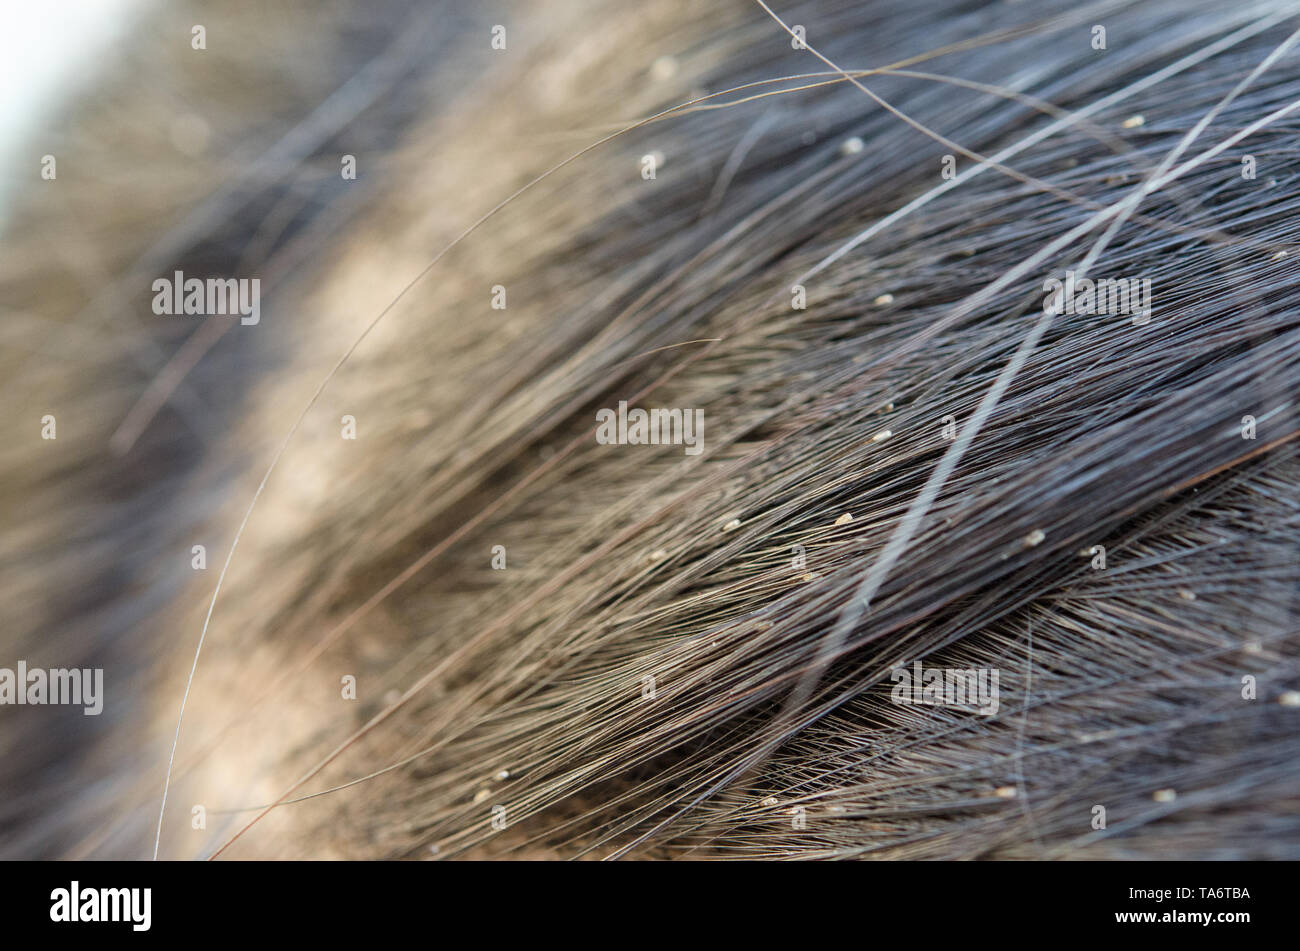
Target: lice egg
852,146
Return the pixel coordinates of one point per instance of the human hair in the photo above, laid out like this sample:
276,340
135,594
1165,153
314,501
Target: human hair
985,325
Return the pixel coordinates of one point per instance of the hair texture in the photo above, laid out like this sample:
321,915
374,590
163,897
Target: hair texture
685,655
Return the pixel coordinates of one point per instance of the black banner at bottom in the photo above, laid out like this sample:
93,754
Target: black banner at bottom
1166,901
